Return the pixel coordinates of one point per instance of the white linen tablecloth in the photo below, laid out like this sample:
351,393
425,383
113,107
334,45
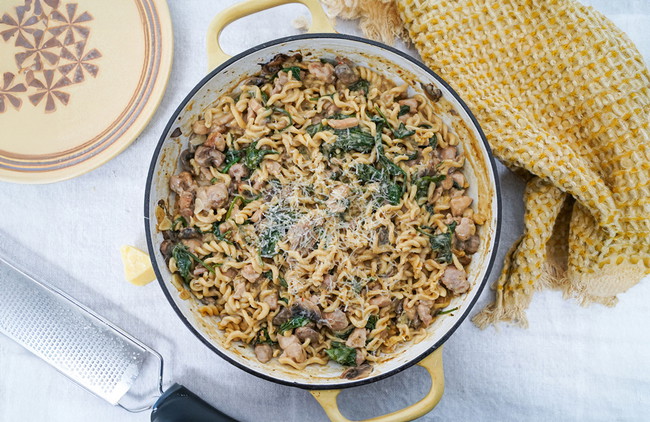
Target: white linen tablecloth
573,363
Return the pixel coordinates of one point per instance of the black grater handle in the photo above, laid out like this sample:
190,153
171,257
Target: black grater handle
178,404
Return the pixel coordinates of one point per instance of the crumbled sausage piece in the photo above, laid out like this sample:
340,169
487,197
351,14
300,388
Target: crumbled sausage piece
240,289
182,182
273,167
272,301
263,352
292,348
382,301
411,102
200,128
212,197
216,140
465,229
459,204
343,123
448,153
322,71
459,178
336,320
471,245
238,172
357,338
249,273
455,280
328,282
424,312
185,201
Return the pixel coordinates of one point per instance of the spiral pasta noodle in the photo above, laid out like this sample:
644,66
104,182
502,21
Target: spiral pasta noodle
322,215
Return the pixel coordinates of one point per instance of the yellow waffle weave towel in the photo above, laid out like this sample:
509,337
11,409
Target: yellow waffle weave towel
564,95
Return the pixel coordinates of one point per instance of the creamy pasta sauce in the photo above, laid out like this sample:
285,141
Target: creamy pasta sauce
320,214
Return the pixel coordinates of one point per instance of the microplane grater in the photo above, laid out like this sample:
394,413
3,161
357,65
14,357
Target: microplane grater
87,348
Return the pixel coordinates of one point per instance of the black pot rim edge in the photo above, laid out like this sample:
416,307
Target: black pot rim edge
152,250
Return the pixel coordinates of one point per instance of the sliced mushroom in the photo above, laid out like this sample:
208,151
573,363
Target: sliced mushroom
304,333
306,308
208,156
184,158
345,73
189,233
166,249
357,372
283,316
433,93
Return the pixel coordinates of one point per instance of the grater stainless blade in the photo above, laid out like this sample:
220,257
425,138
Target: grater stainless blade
77,342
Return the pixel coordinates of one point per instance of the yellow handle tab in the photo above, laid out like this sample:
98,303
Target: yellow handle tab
433,365
319,23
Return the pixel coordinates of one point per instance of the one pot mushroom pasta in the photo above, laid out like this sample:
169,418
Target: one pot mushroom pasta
321,214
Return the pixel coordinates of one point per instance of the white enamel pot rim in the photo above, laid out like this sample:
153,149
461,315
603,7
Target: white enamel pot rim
159,171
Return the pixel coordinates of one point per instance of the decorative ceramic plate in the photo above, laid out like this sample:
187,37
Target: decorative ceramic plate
79,80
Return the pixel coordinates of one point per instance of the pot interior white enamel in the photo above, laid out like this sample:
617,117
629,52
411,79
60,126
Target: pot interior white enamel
479,169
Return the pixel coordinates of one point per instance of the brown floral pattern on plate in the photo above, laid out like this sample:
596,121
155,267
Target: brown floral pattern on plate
52,53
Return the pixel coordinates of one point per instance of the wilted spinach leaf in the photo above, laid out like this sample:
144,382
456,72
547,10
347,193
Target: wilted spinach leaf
253,156
360,85
441,243
342,354
404,110
295,322
263,337
402,131
277,221
423,183
314,129
232,157
294,70
184,258
217,233
353,139
372,322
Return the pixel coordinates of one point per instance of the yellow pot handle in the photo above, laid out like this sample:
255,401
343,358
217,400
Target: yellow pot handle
319,23
432,363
